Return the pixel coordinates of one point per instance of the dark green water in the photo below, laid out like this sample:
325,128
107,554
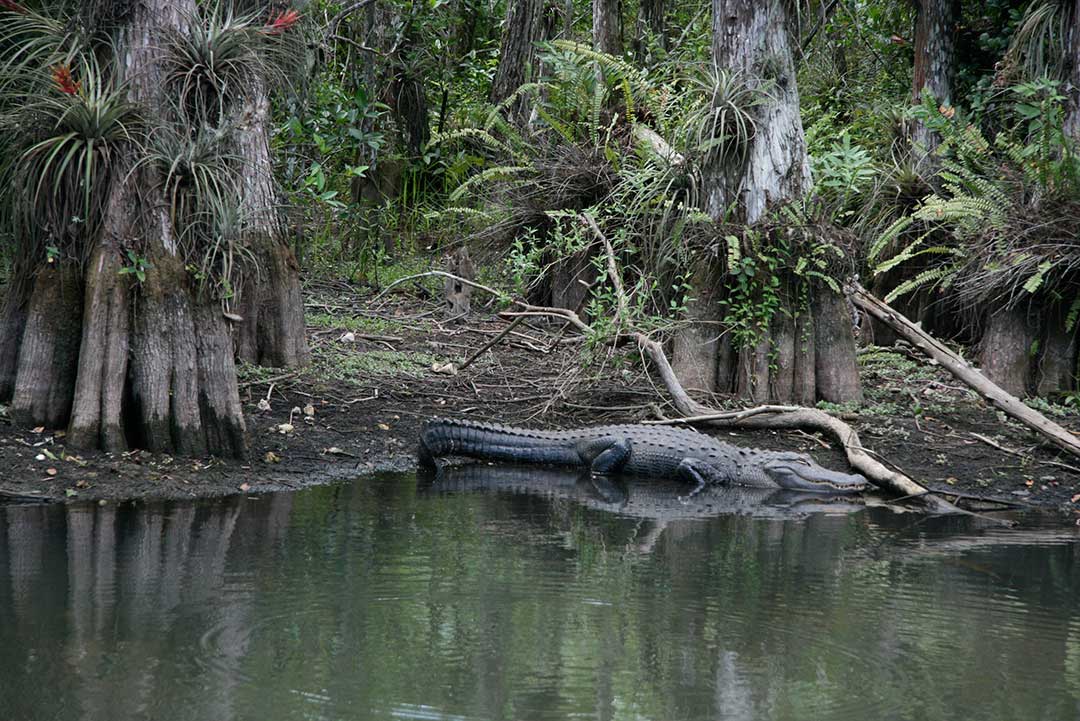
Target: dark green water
388,600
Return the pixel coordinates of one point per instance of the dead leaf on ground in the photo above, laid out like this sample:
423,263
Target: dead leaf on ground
51,471
1075,498
272,457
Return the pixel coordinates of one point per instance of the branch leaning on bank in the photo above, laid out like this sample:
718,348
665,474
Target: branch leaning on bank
1006,402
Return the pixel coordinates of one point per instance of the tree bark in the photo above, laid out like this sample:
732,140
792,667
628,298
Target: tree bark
804,384
1072,112
782,368
607,26
96,420
934,54
142,355
752,39
272,331
695,346
522,29
805,354
651,26
1005,352
49,348
836,368
12,322
1056,370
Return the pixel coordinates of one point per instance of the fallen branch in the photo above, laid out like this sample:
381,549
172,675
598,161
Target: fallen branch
440,274
1006,402
505,332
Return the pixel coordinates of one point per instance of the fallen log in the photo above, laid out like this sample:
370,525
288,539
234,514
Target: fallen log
1006,402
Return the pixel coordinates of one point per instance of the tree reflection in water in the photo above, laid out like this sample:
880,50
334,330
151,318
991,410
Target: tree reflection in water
539,597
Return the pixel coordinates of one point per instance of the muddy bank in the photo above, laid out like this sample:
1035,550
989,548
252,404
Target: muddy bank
358,408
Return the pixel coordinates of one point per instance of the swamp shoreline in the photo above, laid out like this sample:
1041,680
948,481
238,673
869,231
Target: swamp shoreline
371,394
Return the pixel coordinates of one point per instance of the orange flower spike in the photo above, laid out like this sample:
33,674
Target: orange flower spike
281,22
61,75
12,6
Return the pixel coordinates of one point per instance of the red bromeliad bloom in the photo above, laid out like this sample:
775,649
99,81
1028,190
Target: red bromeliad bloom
281,22
12,6
61,75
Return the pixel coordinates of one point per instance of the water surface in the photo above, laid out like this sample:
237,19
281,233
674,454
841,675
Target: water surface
521,597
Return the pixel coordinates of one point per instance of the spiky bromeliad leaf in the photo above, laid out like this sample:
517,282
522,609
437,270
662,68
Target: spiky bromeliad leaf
1038,47
57,175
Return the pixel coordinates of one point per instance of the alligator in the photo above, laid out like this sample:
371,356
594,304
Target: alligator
651,451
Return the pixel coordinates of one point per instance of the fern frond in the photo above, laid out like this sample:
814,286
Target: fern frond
927,277
480,178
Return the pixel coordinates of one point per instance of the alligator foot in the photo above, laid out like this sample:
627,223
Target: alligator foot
698,472
613,458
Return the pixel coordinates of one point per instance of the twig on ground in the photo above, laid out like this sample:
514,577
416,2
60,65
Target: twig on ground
483,349
1020,454
271,380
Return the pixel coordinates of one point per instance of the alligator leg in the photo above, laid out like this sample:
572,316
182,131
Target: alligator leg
612,458
699,473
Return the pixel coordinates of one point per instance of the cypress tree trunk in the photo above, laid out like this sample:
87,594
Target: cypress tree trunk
836,368
607,26
1072,114
521,31
49,348
1056,370
695,348
272,331
1005,352
934,51
650,22
147,357
12,322
797,355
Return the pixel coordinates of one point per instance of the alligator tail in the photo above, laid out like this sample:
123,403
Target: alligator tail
489,442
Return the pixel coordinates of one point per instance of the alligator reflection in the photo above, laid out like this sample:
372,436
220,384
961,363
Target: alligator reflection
659,501
387,598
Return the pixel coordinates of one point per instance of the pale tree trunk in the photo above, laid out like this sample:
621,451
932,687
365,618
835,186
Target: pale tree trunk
753,39
522,29
607,26
802,353
272,331
1072,114
697,347
934,55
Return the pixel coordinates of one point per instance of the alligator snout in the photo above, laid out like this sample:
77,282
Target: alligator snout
803,474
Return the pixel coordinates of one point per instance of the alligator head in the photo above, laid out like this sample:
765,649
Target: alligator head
797,471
